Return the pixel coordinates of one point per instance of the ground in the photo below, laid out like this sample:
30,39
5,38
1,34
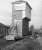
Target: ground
24,44
40,41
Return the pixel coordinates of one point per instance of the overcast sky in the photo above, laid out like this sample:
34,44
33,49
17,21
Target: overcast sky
6,12
36,16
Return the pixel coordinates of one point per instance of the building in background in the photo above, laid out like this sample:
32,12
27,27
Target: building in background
4,30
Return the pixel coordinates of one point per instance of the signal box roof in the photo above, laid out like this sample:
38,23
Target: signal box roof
18,2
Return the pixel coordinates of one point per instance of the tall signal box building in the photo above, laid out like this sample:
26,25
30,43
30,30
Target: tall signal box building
21,15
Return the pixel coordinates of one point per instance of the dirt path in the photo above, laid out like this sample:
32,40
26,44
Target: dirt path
25,44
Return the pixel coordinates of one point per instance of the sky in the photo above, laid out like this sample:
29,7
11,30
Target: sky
36,13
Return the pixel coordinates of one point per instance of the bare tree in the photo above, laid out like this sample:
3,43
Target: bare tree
31,28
